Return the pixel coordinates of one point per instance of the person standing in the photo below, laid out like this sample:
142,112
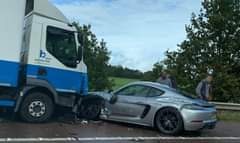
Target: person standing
164,79
204,88
173,82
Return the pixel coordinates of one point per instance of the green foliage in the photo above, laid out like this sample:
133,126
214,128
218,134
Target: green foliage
119,71
213,43
228,116
155,73
96,56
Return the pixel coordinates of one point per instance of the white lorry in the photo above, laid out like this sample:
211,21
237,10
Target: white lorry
41,62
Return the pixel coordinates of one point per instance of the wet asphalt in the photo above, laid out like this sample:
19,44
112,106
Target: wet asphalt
65,127
61,128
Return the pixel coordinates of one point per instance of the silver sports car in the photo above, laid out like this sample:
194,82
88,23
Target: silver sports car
157,105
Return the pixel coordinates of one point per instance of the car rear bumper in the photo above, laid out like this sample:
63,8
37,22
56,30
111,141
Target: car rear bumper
210,124
199,119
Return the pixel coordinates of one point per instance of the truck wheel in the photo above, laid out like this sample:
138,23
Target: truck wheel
36,108
90,110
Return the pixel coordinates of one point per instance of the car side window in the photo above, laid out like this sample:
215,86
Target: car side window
155,92
62,45
135,90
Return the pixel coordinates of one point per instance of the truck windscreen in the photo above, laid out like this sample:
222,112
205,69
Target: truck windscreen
29,7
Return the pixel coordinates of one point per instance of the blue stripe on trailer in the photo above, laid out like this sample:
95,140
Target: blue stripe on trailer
9,73
61,79
7,103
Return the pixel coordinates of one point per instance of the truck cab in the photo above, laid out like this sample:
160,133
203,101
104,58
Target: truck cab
52,53
50,70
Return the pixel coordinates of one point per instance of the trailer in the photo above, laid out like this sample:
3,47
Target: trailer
41,60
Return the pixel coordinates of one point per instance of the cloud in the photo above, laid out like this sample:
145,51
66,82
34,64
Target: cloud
138,32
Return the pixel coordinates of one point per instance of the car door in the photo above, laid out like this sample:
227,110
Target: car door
130,104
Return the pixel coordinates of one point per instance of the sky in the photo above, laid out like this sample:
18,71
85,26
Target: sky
137,32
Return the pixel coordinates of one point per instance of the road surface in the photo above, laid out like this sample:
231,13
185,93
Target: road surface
109,132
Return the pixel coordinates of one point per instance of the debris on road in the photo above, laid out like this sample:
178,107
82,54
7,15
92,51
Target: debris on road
70,118
130,129
84,122
97,122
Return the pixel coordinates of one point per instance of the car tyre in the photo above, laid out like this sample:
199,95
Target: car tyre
169,121
90,110
36,108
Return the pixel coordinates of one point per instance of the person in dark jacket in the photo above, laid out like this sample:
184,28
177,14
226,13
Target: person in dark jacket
204,88
167,79
164,79
173,81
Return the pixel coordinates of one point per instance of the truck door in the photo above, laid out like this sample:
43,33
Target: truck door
56,62
61,45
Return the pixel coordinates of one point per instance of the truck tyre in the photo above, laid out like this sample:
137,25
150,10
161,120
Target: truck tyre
90,110
36,108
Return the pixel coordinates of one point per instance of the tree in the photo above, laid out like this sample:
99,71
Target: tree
213,43
96,56
119,71
155,73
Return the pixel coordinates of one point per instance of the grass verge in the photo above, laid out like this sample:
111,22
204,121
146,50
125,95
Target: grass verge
119,82
229,115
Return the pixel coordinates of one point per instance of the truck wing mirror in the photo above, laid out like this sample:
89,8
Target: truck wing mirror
80,53
110,91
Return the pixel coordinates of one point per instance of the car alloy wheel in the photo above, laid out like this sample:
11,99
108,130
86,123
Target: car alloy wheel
90,110
169,121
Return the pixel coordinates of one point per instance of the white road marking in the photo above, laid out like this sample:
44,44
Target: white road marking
112,139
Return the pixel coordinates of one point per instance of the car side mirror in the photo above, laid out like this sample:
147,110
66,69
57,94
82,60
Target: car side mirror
113,99
110,91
